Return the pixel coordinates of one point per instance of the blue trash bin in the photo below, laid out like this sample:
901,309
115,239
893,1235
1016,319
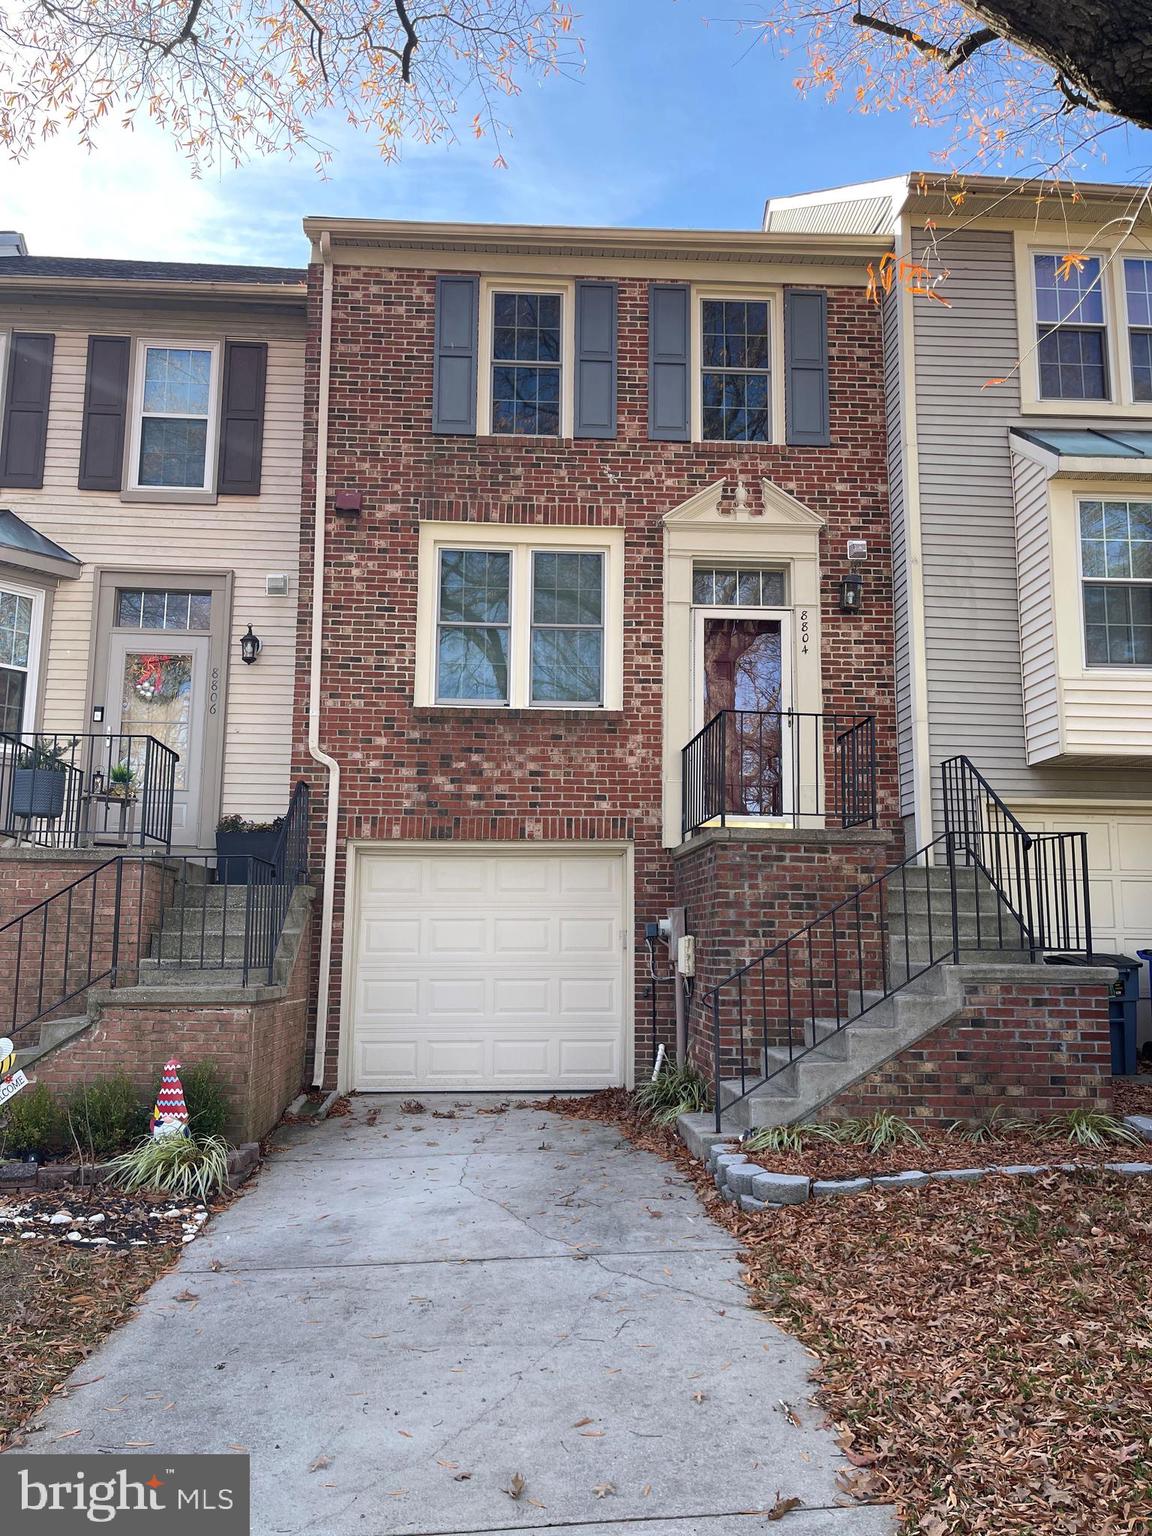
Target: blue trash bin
1124,994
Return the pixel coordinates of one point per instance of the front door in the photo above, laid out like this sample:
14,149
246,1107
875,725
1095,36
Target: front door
741,670
157,685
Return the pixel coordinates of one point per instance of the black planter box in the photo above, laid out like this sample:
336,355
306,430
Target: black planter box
39,792
234,849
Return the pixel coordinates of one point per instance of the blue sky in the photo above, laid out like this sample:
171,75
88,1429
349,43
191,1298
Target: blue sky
673,122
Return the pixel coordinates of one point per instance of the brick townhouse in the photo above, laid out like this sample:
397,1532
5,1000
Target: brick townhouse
588,497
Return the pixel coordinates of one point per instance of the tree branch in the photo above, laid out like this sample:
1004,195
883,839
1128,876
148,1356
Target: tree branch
950,57
411,43
186,30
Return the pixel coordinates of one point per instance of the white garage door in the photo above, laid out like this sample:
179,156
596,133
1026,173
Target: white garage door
488,971
1120,867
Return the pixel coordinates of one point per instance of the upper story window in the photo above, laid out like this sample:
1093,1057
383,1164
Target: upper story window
174,428
1072,345
1138,298
1116,570
714,588
736,374
527,360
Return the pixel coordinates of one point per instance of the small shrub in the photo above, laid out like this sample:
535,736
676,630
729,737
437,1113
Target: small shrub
206,1100
1089,1128
992,1127
176,1165
105,1116
675,1091
33,1122
879,1132
788,1138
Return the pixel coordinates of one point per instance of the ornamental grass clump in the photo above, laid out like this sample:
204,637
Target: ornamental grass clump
673,1092
878,1132
175,1165
789,1138
1089,1128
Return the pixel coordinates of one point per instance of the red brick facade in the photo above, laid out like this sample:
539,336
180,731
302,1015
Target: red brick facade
744,892
1033,1047
500,774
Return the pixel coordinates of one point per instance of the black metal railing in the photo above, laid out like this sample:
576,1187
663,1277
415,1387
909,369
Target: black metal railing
133,916
780,765
806,989
67,790
985,885
1041,878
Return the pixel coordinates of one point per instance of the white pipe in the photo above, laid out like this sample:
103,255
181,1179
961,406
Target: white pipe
332,809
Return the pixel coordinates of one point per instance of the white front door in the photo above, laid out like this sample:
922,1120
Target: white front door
157,686
498,971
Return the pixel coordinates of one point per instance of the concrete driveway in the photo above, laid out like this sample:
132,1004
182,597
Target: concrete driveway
411,1313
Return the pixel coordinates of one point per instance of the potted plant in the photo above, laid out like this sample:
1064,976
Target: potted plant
238,840
40,780
121,782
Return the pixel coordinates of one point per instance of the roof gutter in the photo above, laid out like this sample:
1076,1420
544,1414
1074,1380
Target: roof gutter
316,751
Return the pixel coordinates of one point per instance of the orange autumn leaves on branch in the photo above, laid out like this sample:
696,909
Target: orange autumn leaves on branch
229,79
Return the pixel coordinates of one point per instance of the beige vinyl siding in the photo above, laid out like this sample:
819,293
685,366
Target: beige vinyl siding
972,609
901,574
250,537
1037,615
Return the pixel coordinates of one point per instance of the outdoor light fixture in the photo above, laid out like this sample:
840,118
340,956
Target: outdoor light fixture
249,647
851,592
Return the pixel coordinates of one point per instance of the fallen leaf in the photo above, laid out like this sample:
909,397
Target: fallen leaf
602,1490
320,1463
516,1487
782,1507
186,1296
580,1423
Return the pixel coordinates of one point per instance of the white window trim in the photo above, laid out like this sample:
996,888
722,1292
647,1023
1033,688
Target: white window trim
1117,350
774,298
520,540
489,287
1095,668
35,647
134,489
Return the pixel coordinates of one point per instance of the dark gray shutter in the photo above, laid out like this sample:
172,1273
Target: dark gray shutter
595,360
105,414
25,427
669,349
806,366
454,370
242,418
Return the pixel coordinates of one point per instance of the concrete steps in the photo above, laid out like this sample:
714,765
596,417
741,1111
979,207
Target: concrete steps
53,1033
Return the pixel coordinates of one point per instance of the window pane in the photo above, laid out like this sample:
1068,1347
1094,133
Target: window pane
526,400
735,407
567,588
1072,365
1141,345
15,629
1118,625
13,686
474,586
526,327
472,663
172,452
702,587
1138,288
1075,296
177,381
566,666
748,588
163,610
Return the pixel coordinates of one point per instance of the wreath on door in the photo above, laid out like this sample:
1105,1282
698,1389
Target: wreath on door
159,679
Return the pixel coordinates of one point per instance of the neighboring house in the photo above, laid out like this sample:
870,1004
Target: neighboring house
1020,417
150,471
150,480
584,492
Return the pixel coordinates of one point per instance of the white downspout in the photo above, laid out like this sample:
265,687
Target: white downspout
332,811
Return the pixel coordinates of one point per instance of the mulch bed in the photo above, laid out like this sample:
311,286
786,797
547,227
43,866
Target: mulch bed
1132,1096
60,1301
986,1349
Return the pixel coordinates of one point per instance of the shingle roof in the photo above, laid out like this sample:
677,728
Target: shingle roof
146,271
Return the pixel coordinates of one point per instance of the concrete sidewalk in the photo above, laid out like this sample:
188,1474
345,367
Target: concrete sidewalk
411,1311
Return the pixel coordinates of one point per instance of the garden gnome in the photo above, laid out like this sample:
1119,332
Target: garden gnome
170,1117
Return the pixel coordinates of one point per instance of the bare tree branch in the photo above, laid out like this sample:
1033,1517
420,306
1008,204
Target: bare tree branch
950,57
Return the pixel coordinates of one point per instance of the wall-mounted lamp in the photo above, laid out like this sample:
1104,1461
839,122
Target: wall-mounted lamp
249,647
851,592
